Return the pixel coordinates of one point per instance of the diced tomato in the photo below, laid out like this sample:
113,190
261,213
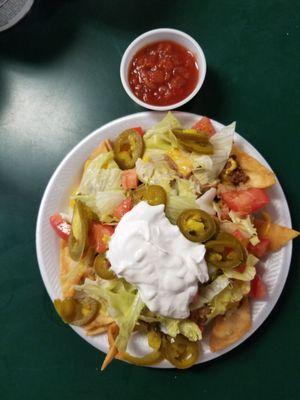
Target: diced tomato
238,235
61,227
245,201
241,268
123,208
258,288
243,239
129,179
260,249
139,130
205,125
99,235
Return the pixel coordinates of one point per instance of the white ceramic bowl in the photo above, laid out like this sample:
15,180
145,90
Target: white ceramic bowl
67,176
158,35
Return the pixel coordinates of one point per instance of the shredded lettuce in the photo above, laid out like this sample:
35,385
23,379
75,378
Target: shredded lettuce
124,304
102,203
249,272
174,327
177,204
208,292
158,173
160,137
222,142
211,166
246,225
185,188
205,202
101,174
232,294
201,162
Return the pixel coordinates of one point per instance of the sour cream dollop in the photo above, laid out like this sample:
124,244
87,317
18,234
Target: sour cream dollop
151,253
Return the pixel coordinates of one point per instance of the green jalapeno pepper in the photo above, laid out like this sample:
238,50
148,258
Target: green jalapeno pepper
128,147
77,312
196,225
225,252
180,352
101,266
79,231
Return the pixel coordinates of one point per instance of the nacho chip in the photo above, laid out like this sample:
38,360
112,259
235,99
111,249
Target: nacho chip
103,147
278,235
229,328
71,272
259,176
99,324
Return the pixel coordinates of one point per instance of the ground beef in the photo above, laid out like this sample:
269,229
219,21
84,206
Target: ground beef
235,177
199,316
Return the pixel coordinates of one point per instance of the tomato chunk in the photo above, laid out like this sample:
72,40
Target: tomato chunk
258,288
129,179
260,249
241,268
99,236
60,226
205,125
123,208
245,201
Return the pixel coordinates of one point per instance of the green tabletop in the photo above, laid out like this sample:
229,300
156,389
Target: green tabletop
59,80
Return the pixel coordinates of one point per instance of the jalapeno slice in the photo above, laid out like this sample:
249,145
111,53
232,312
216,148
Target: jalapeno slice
101,266
139,194
191,135
201,148
79,231
180,351
128,147
154,341
77,312
155,195
196,225
225,252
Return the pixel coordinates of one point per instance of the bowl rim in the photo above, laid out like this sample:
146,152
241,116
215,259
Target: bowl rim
134,43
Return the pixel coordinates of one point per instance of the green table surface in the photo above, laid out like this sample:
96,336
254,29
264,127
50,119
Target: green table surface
59,80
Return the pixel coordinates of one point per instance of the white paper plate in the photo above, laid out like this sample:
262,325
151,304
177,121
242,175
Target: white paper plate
65,179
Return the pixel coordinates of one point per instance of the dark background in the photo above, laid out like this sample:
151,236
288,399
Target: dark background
59,80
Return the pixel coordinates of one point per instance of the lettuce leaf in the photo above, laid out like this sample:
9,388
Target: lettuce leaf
101,174
205,202
185,188
158,173
246,225
222,142
160,137
174,327
124,304
177,204
102,203
232,294
208,292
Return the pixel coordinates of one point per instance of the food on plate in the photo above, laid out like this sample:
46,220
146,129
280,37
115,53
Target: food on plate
163,73
163,238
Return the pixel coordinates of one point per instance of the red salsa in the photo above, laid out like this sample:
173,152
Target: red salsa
163,73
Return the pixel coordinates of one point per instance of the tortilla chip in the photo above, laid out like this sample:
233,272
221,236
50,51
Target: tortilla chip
229,328
68,279
99,324
104,147
278,235
259,176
